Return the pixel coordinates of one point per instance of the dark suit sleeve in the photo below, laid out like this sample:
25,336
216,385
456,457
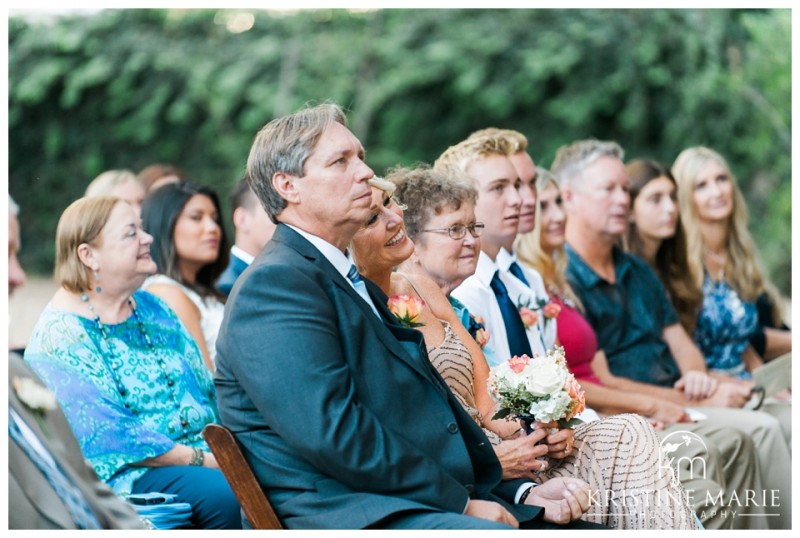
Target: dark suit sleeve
283,345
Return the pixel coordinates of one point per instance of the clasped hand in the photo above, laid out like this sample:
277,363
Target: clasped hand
522,456
564,499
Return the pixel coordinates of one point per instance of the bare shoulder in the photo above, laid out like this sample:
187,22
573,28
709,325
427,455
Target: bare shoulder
175,297
430,291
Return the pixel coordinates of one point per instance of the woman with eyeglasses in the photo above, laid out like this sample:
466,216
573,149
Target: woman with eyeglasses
447,243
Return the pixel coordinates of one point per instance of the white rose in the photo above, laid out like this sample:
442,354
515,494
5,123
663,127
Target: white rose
544,376
554,408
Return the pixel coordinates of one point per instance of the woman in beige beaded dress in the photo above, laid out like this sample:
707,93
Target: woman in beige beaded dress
619,457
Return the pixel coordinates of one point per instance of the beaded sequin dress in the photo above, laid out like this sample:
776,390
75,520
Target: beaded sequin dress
619,456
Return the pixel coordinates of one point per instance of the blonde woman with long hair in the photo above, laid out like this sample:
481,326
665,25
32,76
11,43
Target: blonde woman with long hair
723,260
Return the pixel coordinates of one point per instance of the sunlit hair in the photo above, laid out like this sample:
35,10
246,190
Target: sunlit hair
383,184
427,192
742,269
514,140
160,213
456,159
103,184
528,247
671,261
284,145
81,222
571,160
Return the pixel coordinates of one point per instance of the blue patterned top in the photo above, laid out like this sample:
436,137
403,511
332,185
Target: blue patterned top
724,326
169,392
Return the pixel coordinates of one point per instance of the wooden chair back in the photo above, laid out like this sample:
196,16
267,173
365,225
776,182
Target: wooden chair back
240,476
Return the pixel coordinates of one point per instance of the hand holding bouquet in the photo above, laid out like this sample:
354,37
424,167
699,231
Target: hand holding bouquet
538,388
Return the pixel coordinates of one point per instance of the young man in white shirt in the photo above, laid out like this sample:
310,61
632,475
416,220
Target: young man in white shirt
504,204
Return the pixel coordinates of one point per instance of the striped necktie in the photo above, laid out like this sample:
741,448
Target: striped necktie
358,282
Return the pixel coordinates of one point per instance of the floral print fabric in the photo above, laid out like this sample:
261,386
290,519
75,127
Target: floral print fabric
164,395
724,326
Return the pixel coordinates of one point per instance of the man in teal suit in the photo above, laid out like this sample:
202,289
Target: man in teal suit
341,415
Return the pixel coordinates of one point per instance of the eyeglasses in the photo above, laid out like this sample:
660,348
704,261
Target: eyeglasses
458,231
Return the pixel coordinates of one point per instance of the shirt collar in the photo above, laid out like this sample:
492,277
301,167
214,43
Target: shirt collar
485,269
586,276
505,259
242,255
340,261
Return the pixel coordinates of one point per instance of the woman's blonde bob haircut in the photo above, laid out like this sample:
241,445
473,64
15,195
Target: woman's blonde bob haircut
81,222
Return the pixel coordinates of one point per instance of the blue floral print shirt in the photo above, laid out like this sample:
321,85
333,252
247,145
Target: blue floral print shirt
724,326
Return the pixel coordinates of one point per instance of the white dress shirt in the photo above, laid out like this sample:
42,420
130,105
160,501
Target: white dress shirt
477,295
242,255
340,261
536,293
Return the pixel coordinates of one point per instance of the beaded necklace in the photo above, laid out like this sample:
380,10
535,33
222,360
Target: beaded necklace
115,362
720,260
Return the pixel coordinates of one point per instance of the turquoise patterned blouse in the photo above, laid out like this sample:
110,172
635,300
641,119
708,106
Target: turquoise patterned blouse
124,400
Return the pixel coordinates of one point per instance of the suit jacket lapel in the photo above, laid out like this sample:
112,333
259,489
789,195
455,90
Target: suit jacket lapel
407,344
404,342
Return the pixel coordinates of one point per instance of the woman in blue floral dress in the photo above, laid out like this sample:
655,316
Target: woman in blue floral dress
722,260
128,375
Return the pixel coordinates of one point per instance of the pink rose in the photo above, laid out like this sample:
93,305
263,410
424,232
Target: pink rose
551,310
575,391
406,309
517,364
529,317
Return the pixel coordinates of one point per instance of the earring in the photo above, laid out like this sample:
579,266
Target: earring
98,289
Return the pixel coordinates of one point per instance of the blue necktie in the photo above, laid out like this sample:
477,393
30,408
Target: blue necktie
516,270
361,288
518,342
71,496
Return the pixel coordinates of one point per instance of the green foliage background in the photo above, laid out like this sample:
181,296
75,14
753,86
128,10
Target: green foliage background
126,88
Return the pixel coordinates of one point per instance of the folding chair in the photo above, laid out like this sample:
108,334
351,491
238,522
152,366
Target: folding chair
240,476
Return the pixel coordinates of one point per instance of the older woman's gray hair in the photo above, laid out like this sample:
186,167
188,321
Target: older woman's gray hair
427,192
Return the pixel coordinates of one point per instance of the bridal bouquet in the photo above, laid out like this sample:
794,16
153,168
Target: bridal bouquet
538,388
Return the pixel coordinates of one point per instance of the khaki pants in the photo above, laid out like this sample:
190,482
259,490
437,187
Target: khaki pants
711,460
767,500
